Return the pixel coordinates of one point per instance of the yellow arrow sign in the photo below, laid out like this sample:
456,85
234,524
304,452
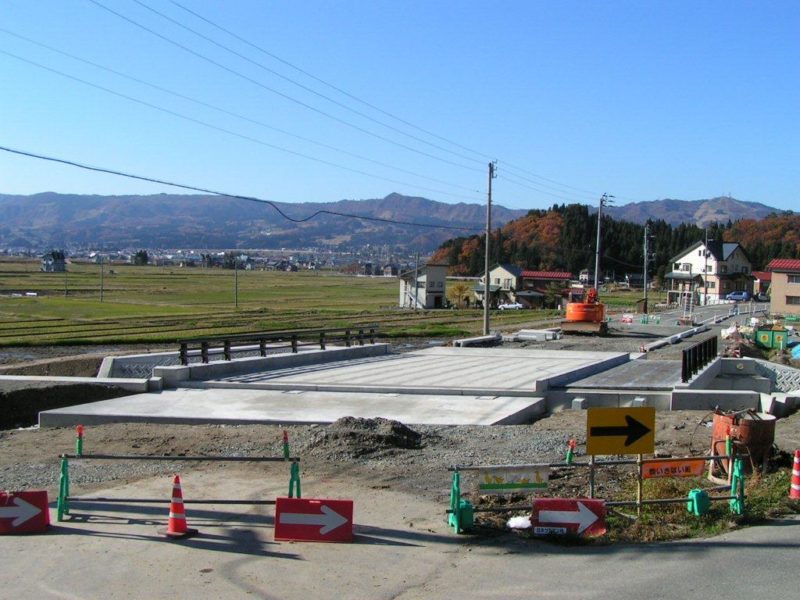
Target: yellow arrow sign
621,430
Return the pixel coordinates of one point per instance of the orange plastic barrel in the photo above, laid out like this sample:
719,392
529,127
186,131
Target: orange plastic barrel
585,312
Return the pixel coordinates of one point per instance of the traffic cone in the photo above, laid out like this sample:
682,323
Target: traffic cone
794,490
176,527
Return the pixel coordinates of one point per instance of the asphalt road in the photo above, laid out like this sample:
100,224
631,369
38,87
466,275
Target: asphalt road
402,550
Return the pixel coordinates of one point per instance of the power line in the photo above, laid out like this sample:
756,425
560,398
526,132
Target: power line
221,129
298,84
322,81
236,196
512,180
228,112
278,93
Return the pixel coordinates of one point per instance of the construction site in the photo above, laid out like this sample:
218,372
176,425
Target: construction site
419,454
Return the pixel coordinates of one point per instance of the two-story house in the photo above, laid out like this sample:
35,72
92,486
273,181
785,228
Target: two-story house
709,272
785,286
427,290
509,283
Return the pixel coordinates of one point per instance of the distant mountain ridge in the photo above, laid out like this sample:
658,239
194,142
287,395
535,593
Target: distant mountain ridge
52,220
695,212
57,220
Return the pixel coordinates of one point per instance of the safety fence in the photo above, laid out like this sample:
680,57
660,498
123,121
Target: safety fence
235,344
697,356
65,499
533,478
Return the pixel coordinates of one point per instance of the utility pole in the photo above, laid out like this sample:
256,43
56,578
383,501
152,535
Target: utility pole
65,274
236,281
416,281
101,278
705,271
646,260
492,175
604,201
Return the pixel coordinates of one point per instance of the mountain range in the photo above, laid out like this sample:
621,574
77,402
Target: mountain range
52,220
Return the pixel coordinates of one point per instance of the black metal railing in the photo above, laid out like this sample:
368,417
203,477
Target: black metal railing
696,357
277,340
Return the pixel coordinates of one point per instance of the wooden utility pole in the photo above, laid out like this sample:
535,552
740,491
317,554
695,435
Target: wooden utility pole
492,175
416,281
644,273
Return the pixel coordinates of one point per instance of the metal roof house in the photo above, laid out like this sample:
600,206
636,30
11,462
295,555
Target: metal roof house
785,286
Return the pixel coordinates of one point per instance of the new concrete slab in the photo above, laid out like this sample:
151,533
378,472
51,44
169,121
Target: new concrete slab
194,406
442,370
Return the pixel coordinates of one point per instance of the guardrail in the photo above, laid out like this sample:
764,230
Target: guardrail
290,339
696,357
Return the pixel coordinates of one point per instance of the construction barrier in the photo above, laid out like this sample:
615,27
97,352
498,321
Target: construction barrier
65,499
529,478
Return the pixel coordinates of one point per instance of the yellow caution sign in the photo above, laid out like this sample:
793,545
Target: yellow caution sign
621,430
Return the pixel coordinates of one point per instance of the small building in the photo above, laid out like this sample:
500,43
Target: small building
54,262
761,282
709,272
784,291
427,290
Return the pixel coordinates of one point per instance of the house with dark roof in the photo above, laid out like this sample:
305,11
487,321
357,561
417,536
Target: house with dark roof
424,287
708,272
785,287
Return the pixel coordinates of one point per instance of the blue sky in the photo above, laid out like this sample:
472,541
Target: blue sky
643,100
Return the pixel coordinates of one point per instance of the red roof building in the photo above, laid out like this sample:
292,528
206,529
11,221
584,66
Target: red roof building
784,297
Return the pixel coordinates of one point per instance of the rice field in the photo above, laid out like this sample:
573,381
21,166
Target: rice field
149,304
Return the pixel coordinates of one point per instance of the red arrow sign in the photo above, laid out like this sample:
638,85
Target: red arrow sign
309,520
560,516
24,512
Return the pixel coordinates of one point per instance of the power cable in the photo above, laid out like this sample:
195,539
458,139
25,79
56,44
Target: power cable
221,129
298,84
236,196
278,93
326,83
228,112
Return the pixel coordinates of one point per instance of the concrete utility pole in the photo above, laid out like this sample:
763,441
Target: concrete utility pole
236,281
101,279
604,200
416,281
705,271
646,260
492,175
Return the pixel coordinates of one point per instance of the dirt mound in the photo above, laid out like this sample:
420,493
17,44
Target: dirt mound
356,437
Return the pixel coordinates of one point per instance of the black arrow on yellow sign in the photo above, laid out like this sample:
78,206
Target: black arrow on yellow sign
633,430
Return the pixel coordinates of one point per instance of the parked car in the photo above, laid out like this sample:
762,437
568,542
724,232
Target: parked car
510,306
739,296
762,297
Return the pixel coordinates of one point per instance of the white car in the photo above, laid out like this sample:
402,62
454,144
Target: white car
510,306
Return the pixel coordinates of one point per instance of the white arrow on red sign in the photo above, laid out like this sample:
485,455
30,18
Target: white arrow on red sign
328,519
21,512
583,517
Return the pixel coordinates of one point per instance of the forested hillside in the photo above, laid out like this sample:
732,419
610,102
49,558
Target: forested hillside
563,238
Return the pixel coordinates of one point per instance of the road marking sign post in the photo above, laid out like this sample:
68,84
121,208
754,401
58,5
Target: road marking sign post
514,479
562,516
628,430
311,520
24,512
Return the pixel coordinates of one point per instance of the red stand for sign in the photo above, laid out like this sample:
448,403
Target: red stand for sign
310,520
24,512
560,516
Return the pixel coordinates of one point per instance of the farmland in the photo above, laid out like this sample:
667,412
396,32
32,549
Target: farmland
163,304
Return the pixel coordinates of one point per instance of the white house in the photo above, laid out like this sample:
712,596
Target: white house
709,272
427,290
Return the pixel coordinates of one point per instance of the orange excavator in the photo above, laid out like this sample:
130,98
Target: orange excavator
588,316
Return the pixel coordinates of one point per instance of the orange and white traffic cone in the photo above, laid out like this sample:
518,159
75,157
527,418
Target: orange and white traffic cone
794,490
176,527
